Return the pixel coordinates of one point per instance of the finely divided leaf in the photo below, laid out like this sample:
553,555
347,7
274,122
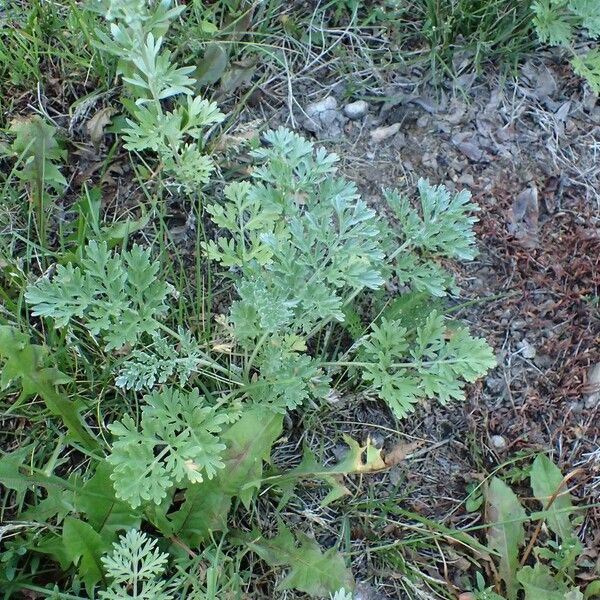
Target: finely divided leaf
445,225
434,364
551,23
135,568
588,65
589,13
117,296
178,441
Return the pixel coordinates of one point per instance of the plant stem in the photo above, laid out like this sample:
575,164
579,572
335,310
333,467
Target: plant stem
209,361
252,358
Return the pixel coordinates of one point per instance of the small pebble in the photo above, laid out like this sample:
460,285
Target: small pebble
356,110
423,121
527,350
322,114
467,179
498,442
592,399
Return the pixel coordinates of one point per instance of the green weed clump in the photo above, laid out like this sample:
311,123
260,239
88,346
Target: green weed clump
564,23
551,574
149,420
299,247
449,35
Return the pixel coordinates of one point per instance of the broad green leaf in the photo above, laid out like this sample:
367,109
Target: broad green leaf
121,230
36,145
249,443
311,570
592,591
204,510
546,480
57,505
85,547
539,584
25,362
53,546
213,64
105,512
10,474
16,474
506,533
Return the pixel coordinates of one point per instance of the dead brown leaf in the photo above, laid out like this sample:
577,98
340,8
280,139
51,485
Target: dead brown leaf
524,217
400,452
383,133
97,124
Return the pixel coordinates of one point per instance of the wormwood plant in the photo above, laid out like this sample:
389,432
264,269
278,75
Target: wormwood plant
559,22
300,248
136,37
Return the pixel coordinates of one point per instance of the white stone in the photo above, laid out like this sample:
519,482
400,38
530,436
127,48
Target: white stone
356,110
498,442
527,350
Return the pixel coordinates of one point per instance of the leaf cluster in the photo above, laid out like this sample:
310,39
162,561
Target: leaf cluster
441,229
117,297
433,364
558,22
177,441
299,245
136,36
552,574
